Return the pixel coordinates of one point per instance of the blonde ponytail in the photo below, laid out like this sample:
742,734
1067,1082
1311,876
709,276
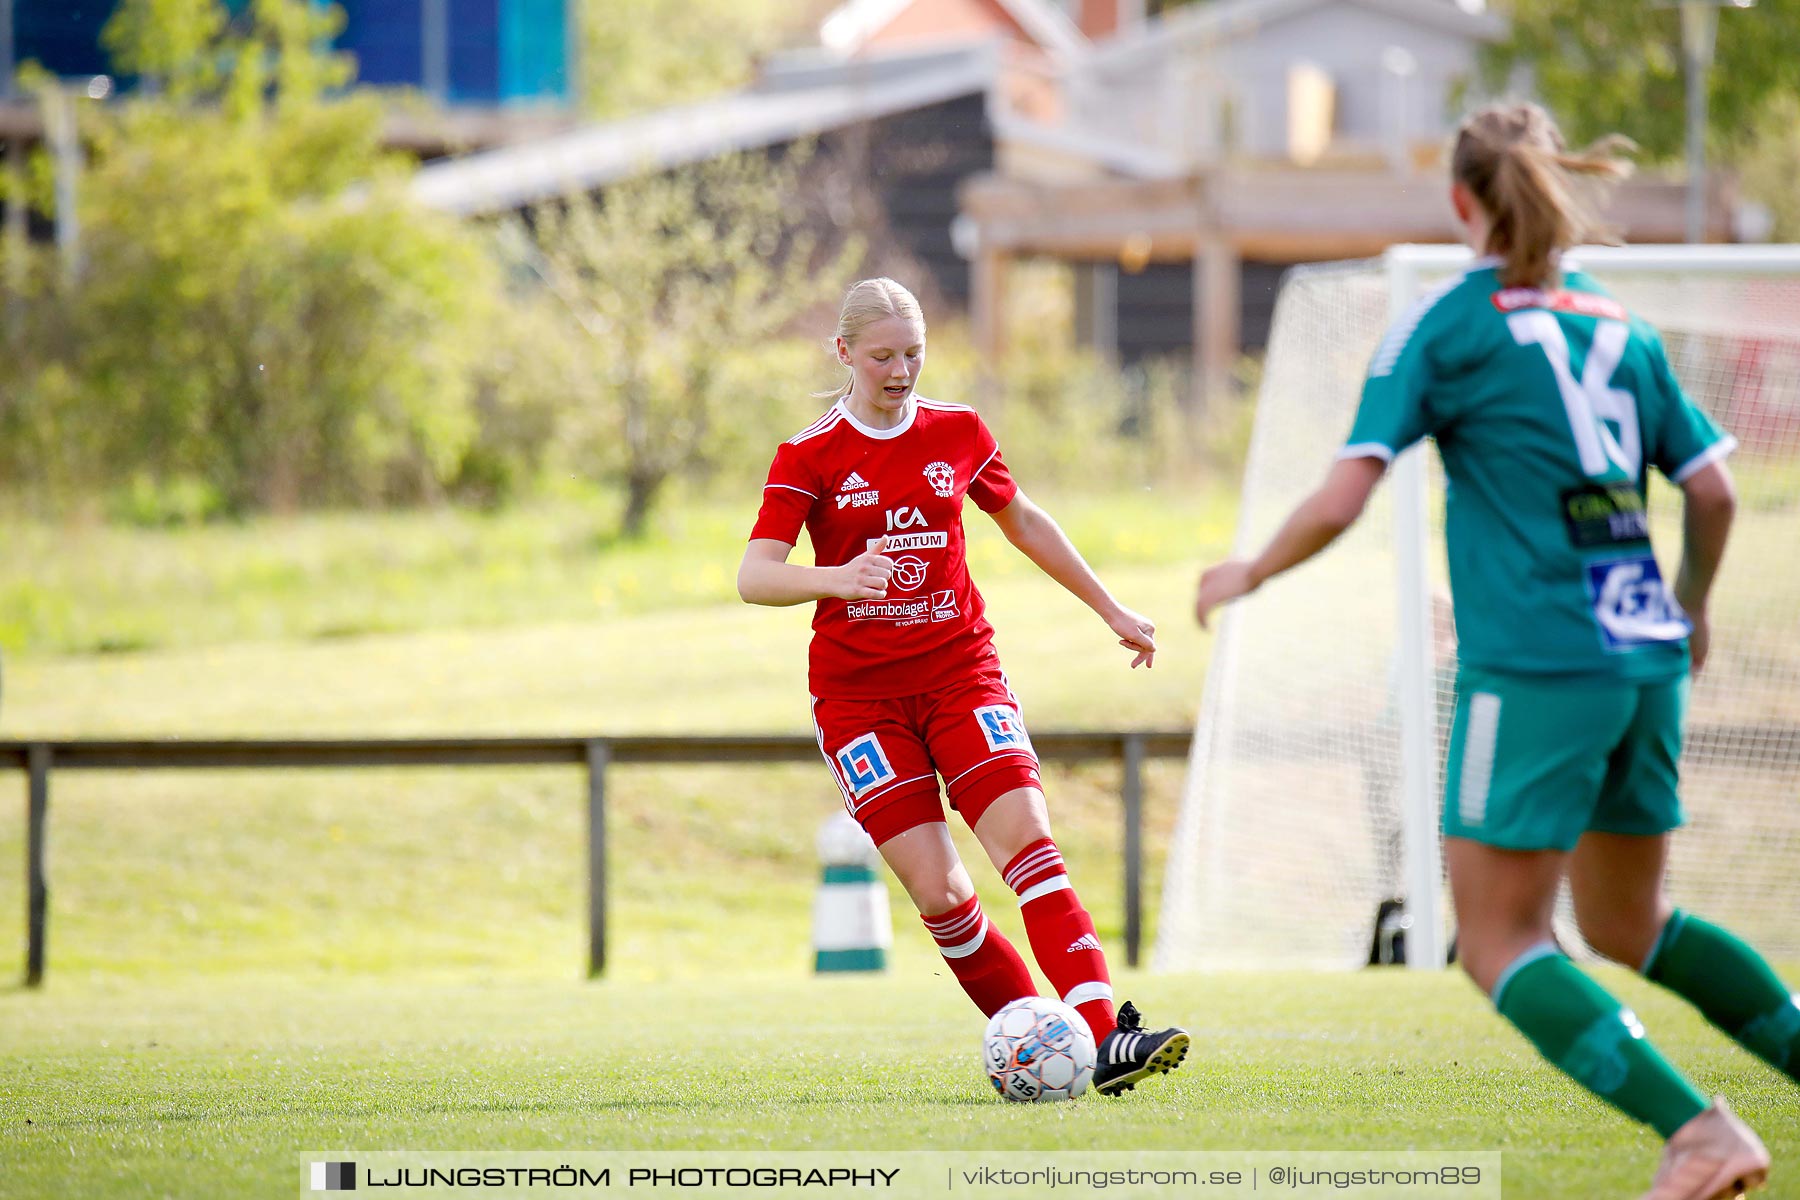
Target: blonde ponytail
1512,159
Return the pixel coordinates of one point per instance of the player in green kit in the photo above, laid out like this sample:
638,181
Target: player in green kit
1548,403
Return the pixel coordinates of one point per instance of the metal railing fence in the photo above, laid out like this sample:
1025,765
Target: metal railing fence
38,759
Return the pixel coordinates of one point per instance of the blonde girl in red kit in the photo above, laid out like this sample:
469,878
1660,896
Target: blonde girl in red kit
905,682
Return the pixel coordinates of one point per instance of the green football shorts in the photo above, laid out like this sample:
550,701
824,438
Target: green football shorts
1536,762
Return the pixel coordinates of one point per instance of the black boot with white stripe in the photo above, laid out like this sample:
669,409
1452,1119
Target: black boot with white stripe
1131,1052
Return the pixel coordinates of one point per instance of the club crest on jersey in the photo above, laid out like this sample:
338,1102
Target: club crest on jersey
865,765
1001,726
942,478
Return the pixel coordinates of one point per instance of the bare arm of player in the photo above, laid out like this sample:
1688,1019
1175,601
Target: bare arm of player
1314,524
1041,539
1710,502
767,577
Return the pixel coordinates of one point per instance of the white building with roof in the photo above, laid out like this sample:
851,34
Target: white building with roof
1179,162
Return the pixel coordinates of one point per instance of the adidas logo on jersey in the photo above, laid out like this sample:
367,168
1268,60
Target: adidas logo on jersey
853,483
1086,941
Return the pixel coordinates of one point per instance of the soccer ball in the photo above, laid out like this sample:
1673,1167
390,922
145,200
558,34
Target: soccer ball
1038,1049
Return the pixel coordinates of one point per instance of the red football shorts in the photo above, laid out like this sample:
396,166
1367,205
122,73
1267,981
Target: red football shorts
887,755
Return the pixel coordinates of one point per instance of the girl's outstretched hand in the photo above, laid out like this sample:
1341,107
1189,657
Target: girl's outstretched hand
1137,633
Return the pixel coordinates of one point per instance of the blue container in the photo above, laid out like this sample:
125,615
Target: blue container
483,53
387,38
486,53
535,57
61,37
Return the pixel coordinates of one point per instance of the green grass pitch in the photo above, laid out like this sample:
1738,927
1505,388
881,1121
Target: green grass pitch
211,1089
246,966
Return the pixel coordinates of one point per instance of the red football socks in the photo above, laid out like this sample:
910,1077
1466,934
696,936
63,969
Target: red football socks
980,957
1062,934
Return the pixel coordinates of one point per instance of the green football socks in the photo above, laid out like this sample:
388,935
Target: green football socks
1732,987
1595,1040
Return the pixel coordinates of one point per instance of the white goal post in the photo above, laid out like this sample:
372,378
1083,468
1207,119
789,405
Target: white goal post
1314,780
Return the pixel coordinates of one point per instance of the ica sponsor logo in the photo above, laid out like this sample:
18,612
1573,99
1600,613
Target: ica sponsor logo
906,517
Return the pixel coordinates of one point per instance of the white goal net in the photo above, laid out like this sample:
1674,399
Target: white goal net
1313,785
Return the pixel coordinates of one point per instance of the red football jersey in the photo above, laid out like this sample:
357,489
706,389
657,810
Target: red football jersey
847,483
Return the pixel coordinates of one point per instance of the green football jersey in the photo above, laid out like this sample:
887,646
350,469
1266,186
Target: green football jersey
1548,407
